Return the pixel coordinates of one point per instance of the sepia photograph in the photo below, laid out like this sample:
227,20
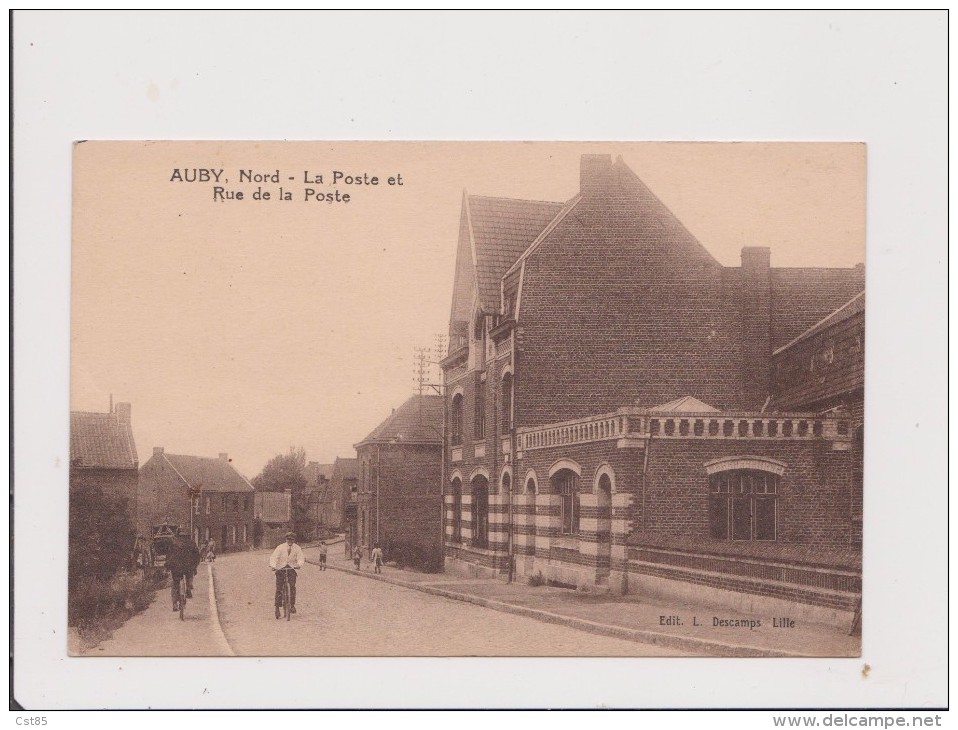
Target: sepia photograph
466,399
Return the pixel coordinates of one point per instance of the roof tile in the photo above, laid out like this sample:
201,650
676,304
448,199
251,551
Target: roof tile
101,440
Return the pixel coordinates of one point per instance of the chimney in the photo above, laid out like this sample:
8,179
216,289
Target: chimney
756,259
123,412
224,456
157,451
595,174
756,324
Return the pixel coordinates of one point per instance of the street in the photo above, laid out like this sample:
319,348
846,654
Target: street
342,614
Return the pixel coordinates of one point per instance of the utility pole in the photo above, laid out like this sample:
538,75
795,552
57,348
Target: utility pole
428,376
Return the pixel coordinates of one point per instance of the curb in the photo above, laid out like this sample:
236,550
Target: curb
705,646
215,611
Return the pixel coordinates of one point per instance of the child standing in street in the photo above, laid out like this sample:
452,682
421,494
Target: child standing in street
322,555
377,557
357,557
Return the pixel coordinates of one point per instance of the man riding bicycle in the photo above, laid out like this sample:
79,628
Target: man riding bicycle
182,560
286,559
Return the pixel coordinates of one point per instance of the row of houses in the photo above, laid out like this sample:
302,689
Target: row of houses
206,496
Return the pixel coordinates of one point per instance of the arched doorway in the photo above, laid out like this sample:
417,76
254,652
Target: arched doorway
480,511
603,494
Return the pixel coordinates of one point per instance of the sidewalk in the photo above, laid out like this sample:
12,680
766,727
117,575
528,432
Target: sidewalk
158,631
626,617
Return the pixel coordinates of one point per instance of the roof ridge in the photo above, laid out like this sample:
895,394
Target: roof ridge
621,164
516,200
819,322
560,215
175,470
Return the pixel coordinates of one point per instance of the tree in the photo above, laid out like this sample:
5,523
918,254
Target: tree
101,534
286,471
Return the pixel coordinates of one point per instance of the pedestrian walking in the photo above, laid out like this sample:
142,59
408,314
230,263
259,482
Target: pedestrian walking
377,557
323,550
358,557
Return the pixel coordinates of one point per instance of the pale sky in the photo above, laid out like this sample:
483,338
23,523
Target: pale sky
249,327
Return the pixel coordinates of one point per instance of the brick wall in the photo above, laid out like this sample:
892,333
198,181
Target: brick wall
814,494
825,369
408,477
162,495
802,297
619,307
118,483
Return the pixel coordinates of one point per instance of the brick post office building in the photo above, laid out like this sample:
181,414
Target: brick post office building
205,496
615,418
399,503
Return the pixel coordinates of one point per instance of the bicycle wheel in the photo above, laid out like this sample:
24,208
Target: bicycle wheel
182,596
287,601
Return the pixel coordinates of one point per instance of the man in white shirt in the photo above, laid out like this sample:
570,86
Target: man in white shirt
286,559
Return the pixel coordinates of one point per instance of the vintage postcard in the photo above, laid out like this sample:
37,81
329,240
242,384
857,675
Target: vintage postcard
440,399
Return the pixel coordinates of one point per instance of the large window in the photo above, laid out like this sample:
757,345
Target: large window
480,419
506,419
455,420
566,485
742,505
480,512
456,510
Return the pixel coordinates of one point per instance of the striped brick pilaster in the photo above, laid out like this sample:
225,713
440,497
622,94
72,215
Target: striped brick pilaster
466,518
547,522
499,521
523,516
618,576
448,519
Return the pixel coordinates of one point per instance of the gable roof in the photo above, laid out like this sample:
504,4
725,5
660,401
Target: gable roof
686,404
101,441
208,474
849,309
345,468
502,229
314,470
418,420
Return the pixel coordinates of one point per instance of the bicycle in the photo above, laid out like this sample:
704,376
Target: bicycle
285,596
181,597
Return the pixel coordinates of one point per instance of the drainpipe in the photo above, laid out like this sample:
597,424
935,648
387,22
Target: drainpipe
442,475
515,462
379,463
645,471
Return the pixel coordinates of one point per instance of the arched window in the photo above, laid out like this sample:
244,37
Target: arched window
506,419
479,424
565,483
743,505
480,511
531,483
506,482
456,510
455,419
